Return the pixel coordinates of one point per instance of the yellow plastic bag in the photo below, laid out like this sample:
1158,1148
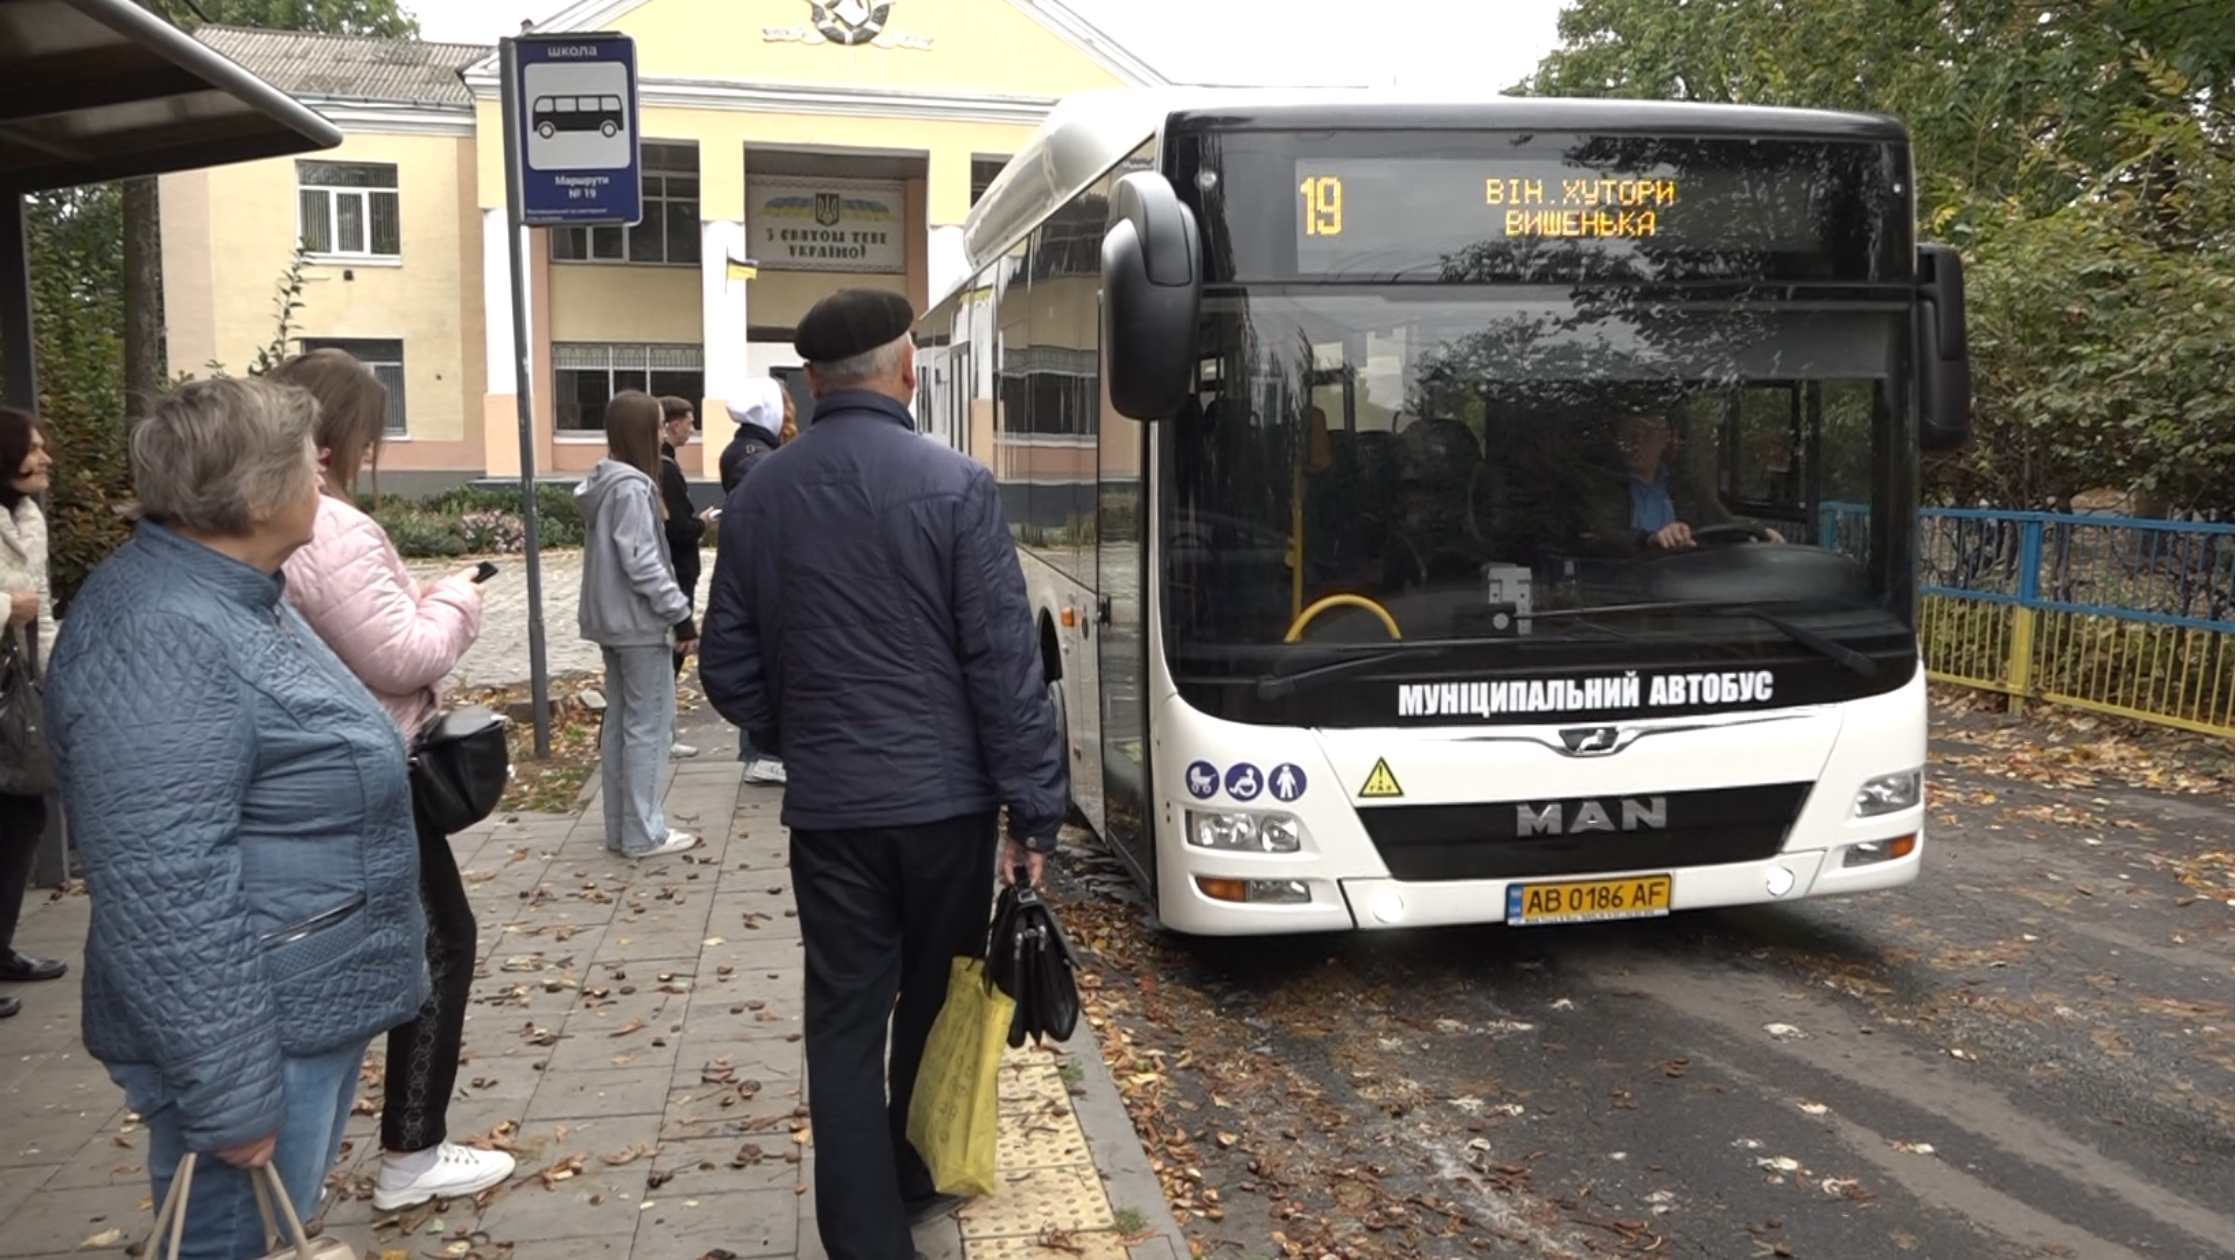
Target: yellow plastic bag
953,1107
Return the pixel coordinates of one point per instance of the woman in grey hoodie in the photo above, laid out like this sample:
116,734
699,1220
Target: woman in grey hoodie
630,606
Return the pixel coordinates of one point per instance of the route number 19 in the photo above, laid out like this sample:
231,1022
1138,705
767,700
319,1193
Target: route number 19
1325,200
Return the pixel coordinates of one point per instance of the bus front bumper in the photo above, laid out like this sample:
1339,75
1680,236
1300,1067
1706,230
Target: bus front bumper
1786,876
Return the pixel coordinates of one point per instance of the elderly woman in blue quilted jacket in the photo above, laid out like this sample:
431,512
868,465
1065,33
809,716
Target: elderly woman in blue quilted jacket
242,807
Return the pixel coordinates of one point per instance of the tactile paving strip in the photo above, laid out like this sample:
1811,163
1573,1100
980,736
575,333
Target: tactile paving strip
1020,1086
1042,1134
1027,1203
1098,1246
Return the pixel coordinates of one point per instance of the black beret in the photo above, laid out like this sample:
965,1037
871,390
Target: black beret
850,322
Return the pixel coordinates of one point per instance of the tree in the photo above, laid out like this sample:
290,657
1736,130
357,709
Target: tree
2079,152
143,231
97,291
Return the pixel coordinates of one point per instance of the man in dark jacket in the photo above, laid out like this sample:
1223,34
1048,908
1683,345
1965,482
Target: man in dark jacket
876,633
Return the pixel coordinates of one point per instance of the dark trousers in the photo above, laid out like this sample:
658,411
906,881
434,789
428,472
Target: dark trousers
882,911
423,1061
23,821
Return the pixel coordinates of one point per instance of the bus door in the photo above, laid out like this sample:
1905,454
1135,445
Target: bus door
1122,643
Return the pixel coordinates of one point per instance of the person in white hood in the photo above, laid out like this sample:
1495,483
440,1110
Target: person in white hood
764,414
630,606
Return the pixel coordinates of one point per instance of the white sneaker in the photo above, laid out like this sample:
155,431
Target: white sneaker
766,770
449,1171
677,842
683,751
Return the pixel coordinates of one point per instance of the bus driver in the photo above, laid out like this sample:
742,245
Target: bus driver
1654,519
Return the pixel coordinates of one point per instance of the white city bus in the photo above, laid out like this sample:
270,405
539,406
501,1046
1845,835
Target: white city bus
1456,512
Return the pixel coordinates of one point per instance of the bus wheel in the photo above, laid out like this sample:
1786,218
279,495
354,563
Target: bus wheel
607,129
1056,688
545,129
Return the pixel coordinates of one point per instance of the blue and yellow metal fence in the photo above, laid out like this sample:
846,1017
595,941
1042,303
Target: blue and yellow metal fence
2114,614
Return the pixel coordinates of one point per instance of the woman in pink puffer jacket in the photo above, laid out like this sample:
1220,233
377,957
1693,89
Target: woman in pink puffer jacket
401,639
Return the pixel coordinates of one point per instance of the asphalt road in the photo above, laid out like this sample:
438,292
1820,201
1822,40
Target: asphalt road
2028,1052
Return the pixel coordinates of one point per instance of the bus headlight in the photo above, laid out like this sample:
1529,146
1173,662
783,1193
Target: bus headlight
1887,794
1242,831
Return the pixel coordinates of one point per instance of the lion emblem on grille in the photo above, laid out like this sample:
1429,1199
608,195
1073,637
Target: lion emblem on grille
849,21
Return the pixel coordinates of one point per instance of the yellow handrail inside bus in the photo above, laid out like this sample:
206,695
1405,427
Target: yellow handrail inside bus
1328,602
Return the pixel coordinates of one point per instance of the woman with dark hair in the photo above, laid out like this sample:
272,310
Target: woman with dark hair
631,606
24,465
401,639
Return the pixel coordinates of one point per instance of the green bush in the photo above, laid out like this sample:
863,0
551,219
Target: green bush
421,534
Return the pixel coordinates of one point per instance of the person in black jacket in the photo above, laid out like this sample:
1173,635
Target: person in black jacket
869,622
682,528
764,414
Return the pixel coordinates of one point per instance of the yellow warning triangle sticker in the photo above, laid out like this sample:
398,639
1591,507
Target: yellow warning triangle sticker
1381,782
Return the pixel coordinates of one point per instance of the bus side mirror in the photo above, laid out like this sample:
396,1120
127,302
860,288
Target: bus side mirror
1150,273
1941,317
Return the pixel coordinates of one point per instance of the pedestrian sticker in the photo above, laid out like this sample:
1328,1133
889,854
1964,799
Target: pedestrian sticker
1243,781
1381,782
1287,781
1202,779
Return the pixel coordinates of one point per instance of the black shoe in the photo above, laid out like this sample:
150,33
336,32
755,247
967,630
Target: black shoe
933,1207
18,968
9,1006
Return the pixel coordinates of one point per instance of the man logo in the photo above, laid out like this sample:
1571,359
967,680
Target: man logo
1634,814
828,209
1596,741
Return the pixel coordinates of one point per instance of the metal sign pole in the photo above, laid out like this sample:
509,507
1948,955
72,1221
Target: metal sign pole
509,103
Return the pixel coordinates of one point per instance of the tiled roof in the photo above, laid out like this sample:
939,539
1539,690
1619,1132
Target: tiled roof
350,67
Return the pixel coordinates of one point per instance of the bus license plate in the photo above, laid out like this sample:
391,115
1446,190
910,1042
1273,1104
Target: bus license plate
1589,900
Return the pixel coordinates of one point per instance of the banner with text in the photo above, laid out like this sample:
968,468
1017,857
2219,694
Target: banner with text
826,224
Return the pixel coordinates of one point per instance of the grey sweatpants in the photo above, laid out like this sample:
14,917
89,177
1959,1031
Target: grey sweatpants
634,742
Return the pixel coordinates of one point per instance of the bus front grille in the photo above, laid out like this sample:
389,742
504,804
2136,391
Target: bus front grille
1584,835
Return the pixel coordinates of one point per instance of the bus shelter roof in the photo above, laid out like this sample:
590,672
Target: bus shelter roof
94,90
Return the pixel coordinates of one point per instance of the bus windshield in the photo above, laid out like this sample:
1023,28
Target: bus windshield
1449,462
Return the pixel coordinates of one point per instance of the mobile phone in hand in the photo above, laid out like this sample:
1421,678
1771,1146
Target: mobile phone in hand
484,572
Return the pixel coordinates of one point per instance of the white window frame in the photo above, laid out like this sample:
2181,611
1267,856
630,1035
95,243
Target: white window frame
397,424
640,368
656,201
364,196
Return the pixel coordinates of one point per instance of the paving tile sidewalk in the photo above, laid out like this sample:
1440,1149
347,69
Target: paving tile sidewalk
636,1038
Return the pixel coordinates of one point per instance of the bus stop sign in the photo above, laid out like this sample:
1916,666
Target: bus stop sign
577,151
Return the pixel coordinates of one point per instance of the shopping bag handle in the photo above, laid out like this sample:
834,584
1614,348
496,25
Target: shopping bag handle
264,1181
270,1189
173,1214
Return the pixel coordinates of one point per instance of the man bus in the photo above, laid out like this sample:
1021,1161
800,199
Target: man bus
1320,421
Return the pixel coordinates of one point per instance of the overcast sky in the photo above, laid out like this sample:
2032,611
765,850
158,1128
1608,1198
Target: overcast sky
1480,43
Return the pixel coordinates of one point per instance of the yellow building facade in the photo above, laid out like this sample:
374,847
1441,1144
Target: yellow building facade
828,145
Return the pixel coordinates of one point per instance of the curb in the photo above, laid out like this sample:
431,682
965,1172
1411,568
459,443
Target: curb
1117,1151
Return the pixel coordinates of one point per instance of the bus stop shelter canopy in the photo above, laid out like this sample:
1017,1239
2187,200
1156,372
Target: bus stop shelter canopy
94,90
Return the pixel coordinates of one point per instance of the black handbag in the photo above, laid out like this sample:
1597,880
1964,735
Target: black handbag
460,767
26,769
1030,959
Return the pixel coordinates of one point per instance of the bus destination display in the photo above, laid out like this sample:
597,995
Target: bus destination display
1359,215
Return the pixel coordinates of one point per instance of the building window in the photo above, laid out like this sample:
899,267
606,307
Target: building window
669,231
586,374
385,359
348,209
984,172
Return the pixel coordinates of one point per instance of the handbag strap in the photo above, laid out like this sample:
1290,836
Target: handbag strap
264,1181
173,1214
270,1189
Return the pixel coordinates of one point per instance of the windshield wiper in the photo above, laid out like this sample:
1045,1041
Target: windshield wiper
1850,658
1278,686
